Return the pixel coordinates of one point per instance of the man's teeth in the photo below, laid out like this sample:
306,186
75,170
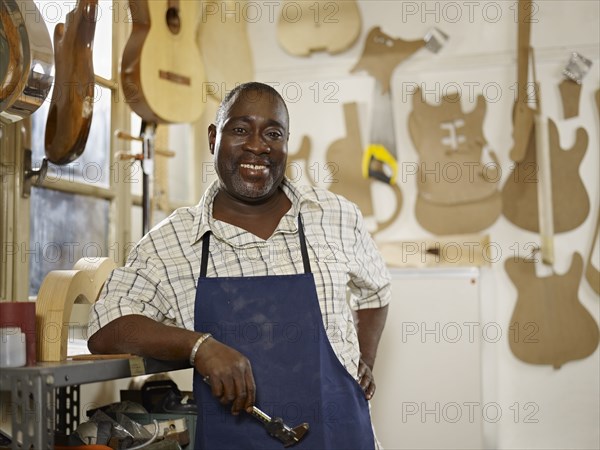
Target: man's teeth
252,166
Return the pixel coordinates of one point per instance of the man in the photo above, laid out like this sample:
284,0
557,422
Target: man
263,268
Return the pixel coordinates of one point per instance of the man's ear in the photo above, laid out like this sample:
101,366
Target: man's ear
212,137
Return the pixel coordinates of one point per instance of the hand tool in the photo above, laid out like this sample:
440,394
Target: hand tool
276,427
380,159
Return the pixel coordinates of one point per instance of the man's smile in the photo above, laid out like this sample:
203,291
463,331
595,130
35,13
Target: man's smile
253,166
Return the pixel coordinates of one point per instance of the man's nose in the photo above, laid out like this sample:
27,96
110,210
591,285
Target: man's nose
257,144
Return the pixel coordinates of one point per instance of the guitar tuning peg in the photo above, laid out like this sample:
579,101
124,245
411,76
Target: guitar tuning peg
165,153
126,136
124,156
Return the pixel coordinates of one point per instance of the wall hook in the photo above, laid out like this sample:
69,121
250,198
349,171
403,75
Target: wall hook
32,176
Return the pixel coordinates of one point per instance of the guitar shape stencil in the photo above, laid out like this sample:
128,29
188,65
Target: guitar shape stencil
549,325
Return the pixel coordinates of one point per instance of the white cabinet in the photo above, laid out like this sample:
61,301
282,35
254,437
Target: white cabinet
428,368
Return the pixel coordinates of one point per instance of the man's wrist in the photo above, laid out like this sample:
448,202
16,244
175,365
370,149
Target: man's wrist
196,346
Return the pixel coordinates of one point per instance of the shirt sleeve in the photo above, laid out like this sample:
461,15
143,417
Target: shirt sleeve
132,289
370,285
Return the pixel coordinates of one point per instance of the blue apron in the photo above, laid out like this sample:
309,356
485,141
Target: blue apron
275,321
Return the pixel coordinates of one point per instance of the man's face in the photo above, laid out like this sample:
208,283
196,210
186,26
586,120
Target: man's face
250,146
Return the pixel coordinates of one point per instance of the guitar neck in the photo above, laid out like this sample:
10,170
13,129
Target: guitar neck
545,209
523,45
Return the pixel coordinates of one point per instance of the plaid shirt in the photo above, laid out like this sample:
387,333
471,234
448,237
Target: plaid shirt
160,277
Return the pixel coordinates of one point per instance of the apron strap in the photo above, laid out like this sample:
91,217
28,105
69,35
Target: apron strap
204,260
303,250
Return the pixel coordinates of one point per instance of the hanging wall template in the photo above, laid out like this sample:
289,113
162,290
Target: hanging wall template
457,193
570,86
570,201
345,155
549,325
592,273
318,25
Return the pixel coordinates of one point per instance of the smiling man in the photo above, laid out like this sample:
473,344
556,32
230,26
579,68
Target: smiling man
276,294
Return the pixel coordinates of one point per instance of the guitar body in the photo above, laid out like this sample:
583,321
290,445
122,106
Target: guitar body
323,25
162,70
25,46
592,273
570,201
457,193
72,102
549,325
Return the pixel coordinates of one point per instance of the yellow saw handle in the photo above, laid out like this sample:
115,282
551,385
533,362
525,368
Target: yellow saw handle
381,154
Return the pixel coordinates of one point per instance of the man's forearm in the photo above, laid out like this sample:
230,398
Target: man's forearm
370,324
143,336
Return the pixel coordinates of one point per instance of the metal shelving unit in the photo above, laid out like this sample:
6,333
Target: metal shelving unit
45,397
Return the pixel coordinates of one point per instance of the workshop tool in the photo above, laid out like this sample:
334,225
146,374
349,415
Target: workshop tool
380,159
276,427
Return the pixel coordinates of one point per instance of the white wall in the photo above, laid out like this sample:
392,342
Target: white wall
481,53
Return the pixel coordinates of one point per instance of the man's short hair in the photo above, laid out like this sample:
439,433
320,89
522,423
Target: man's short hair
251,91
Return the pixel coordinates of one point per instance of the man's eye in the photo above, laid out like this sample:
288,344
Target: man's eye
239,130
274,134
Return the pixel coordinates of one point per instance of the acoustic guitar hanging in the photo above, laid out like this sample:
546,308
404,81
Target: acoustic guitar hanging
72,102
162,71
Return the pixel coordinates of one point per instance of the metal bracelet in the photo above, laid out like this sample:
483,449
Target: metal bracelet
196,346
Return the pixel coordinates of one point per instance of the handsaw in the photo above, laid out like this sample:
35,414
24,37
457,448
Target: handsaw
380,159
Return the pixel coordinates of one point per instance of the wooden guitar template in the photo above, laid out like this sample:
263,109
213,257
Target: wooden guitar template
72,102
592,273
523,115
162,69
549,325
320,25
570,201
457,193
27,60
346,155
382,54
570,86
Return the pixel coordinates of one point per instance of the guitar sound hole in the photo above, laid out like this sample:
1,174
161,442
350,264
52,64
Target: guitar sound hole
173,21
